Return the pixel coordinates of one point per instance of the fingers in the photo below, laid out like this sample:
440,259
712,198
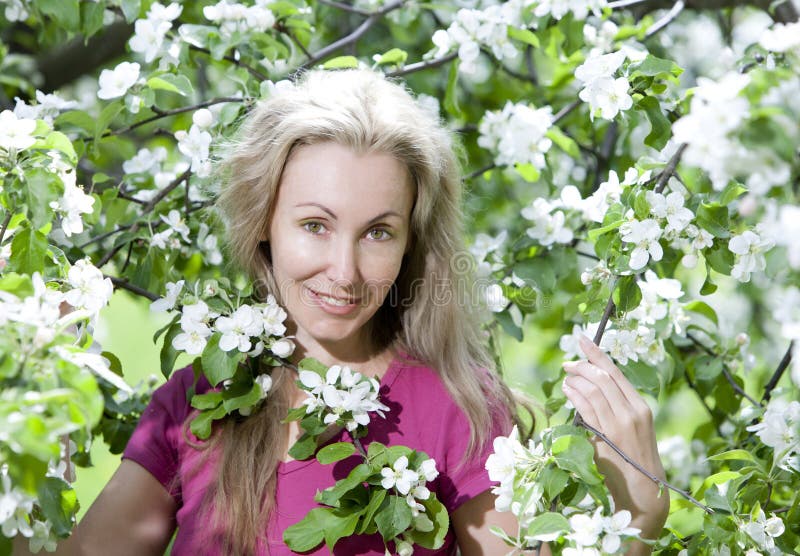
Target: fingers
599,382
581,403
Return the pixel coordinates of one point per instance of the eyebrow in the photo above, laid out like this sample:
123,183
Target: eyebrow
332,215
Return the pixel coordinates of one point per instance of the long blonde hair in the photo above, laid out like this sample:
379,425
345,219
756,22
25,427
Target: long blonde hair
431,315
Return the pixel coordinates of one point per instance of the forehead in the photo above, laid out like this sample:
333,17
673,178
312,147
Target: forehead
338,175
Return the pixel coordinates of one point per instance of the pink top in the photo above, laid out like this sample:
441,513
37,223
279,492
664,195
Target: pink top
422,416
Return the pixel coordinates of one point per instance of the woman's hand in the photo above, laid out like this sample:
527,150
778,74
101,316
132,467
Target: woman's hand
607,401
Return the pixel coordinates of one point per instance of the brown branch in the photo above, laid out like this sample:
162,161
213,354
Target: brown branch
669,169
165,113
776,376
352,37
666,20
232,59
125,285
4,226
561,114
644,471
345,7
101,237
167,189
725,371
479,171
419,66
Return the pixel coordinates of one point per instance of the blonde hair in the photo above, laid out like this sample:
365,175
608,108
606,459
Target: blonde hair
436,325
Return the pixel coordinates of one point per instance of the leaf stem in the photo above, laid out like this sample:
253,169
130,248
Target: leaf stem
4,226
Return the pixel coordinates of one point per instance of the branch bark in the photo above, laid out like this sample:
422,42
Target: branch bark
776,376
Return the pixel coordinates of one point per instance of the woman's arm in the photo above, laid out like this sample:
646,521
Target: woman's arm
133,515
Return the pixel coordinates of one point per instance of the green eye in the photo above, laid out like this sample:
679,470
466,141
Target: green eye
379,234
313,227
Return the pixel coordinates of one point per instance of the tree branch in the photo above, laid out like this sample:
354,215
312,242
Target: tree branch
349,39
561,114
666,20
419,66
4,226
669,169
776,376
237,62
725,371
125,285
345,7
479,171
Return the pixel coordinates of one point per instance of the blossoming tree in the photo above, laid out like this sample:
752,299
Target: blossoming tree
632,169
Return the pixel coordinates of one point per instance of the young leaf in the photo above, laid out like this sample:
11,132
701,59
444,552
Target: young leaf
308,533
335,452
394,517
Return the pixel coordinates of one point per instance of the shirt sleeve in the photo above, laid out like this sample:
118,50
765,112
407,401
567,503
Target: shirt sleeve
155,442
463,478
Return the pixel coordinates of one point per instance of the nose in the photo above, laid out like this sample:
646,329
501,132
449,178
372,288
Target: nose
342,268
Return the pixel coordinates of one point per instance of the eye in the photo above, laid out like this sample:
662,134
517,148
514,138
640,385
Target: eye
313,227
379,234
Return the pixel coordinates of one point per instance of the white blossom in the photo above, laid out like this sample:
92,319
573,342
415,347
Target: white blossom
195,329
783,37
167,302
16,10
145,161
779,428
517,134
72,204
749,247
272,316
195,145
237,329
115,83
94,362
48,107
148,38
176,223
399,476
238,18
607,97
16,134
644,234
283,348
670,207
764,531
91,290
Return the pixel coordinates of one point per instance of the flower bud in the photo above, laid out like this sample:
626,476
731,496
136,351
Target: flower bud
283,348
203,118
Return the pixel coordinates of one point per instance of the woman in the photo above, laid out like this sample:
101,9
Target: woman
343,200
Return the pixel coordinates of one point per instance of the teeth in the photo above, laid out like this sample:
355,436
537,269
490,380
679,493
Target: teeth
333,301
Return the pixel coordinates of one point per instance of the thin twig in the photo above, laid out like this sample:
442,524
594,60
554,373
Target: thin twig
669,169
776,376
101,237
167,189
702,401
666,20
4,227
165,113
352,37
345,7
479,171
561,114
250,69
125,285
623,3
726,373
644,471
419,66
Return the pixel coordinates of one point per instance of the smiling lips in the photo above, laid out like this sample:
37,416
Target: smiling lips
334,305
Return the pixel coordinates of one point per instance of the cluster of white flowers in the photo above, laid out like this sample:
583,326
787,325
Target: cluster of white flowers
47,107
749,248
195,143
149,33
764,531
91,291
237,18
409,482
16,133
716,111
74,202
782,37
517,134
485,250
660,301
516,467
559,8
683,460
549,224
176,230
487,28
16,10
596,534
249,329
343,396
115,83
16,518
606,95
779,429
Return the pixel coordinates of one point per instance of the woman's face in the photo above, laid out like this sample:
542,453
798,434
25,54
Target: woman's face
339,230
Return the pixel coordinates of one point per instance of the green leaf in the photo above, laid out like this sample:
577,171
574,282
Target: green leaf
209,400
67,13
335,452
219,365
295,414
720,258
574,453
537,271
528,172
394,56
433,539
642,376
168,354
341,62
55,140
565,143
376,498
714,218
660,128
28,251
308,533
106,116
554,480
594,233
304,448
92,18
653,66
311,364
360,473
707,367
394,517
171,82
338,524
627,294
201,425
78,119
523,35
548,526
234,400
508,325
716,479
59,503
42,188
451,91
131,8
17,284
732,191
733,455
703,308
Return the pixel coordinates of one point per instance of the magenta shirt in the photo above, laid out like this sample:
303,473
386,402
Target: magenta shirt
422,416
